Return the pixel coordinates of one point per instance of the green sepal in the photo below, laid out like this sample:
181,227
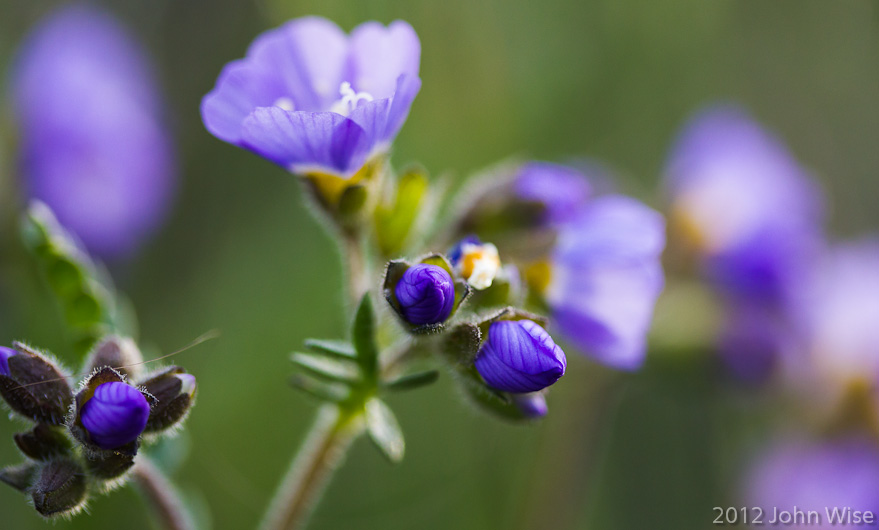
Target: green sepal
322,390
363,338
43,442
394,221
60,487
384,430
461,344
412,381
326,368
333,348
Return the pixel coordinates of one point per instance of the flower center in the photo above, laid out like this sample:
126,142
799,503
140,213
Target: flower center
285,103
350,99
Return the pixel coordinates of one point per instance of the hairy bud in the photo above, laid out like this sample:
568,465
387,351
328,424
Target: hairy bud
33,386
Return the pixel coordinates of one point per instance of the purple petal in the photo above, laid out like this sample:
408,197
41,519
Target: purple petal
532,405
115,415
813,475
561,189
302,141
5,354
606,277
302,60
380,55
93,146
519,357
407,88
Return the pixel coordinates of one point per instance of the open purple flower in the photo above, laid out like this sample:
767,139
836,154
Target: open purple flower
519,356
313,100
115,415
823,477
93,146
746,205
605,276
426,294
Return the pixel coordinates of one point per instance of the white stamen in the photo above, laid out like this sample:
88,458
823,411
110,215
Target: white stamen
349,100
285,103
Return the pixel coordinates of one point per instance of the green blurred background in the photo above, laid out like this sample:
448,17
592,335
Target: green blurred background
554,79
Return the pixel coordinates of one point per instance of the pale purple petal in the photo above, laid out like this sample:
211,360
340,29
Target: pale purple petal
561,189
407,88
93,145
814,476
303,141
380,55
606,277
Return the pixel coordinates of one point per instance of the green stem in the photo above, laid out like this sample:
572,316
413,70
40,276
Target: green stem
322,453
161,495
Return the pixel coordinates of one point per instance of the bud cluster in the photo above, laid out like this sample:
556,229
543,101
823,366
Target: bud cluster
85,441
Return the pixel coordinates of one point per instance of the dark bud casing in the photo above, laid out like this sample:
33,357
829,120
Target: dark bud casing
174,391
119,353
43,442
19,477
59,487
33,385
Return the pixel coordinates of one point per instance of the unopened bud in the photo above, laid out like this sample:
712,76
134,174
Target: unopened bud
60,487
43,442
33,386
426,294
120,353
519,356
115,415
174,391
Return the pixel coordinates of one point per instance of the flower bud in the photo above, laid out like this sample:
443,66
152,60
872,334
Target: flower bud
426,294
33,386
42,442
119,353
519,356
174,391
60,487
531,405
115,415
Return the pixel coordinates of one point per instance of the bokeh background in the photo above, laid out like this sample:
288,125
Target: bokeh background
551,80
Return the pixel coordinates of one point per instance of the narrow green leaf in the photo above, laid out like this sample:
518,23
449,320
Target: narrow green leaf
413,381
363,337
325,368
334,348
384,430
322,390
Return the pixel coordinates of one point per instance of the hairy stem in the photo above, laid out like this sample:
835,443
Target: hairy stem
322,453
161,496
354,258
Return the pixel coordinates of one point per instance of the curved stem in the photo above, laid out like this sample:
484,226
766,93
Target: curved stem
161,495
322,453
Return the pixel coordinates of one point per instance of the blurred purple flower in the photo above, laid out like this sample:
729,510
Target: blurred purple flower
426,294
605,278
560,188
751,210
814,476
519,356
311,99
115,415
532,405
92,143
5,354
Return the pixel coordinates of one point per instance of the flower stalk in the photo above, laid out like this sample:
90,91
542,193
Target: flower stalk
323,451
161,495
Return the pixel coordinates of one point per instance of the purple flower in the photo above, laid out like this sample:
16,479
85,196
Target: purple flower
426,294
561,189
92,143
749,208
314,100
519,356
605,277
814,476
842,313
5,354
115,415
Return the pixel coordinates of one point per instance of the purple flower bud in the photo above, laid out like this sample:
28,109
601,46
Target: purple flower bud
519,356
310,98
115,415
426,294
531,405
93,144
